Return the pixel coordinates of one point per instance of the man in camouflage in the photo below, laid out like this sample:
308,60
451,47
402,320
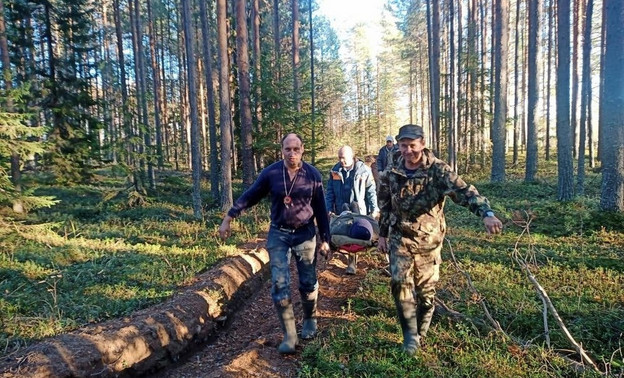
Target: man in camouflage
412,227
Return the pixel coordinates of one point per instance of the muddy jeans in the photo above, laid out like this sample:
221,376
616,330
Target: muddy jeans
281,245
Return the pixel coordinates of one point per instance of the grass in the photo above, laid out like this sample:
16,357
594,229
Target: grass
576,253
95,256
98,255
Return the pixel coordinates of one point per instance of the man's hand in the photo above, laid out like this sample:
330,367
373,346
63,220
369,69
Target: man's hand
375,215
493,225
382,245
326,251
224,229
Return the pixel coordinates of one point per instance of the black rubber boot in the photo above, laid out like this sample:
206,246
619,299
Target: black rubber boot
424,313
352,267
406,310
308,302
287,319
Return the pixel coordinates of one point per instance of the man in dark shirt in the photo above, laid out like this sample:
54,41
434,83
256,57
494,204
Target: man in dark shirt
297,198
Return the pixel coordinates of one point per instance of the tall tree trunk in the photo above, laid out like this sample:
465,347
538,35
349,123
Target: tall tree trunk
225,117
244,93
500,90
255,30
127,128
533,90
575,38
277,66
295,54
139,72
564,138
312,82
516,128
612,196
192,99
156,86
549,76
603,40
433,28
210,101
585,98
451,142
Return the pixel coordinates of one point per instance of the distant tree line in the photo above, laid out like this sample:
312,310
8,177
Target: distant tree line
211,87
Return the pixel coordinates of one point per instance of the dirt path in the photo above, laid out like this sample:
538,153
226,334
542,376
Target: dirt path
248,346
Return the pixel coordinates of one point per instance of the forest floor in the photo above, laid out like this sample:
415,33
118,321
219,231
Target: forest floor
247,347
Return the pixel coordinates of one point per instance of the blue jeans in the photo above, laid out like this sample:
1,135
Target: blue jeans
281,245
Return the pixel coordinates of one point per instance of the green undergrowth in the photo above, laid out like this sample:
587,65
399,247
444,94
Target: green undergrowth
103,252
576,253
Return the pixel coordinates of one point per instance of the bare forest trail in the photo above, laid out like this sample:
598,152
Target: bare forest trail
247,347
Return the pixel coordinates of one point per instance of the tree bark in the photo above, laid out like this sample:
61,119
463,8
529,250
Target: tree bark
244,93
210,101
312,82
564,134
295,54
257,70
533,90
549,76
225,116
192,99
612,196
500,90
156,85
585,97
518,56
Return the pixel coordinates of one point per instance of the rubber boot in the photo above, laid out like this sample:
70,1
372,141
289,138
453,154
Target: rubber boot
287,319
409,325
308,302
352,266
424,313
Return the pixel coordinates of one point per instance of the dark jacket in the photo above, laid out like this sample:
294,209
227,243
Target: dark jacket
359,187
384,156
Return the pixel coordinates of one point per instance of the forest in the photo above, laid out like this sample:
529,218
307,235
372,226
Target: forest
131,126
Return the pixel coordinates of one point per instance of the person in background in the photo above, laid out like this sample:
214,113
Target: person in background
412,226
297,199
351,186
384,157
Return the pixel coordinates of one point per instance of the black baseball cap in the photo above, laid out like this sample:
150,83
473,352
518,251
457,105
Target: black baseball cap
410,132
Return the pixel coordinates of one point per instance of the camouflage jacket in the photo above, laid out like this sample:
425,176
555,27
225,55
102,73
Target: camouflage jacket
414,206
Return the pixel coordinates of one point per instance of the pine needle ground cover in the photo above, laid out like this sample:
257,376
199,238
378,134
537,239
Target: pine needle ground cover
574,250
103,252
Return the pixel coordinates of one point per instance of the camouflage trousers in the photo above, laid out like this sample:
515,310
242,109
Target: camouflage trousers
414,272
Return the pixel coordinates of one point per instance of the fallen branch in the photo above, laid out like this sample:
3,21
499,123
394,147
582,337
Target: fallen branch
544,296
546,300
492,321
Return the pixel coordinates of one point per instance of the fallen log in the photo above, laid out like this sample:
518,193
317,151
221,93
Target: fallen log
150,338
